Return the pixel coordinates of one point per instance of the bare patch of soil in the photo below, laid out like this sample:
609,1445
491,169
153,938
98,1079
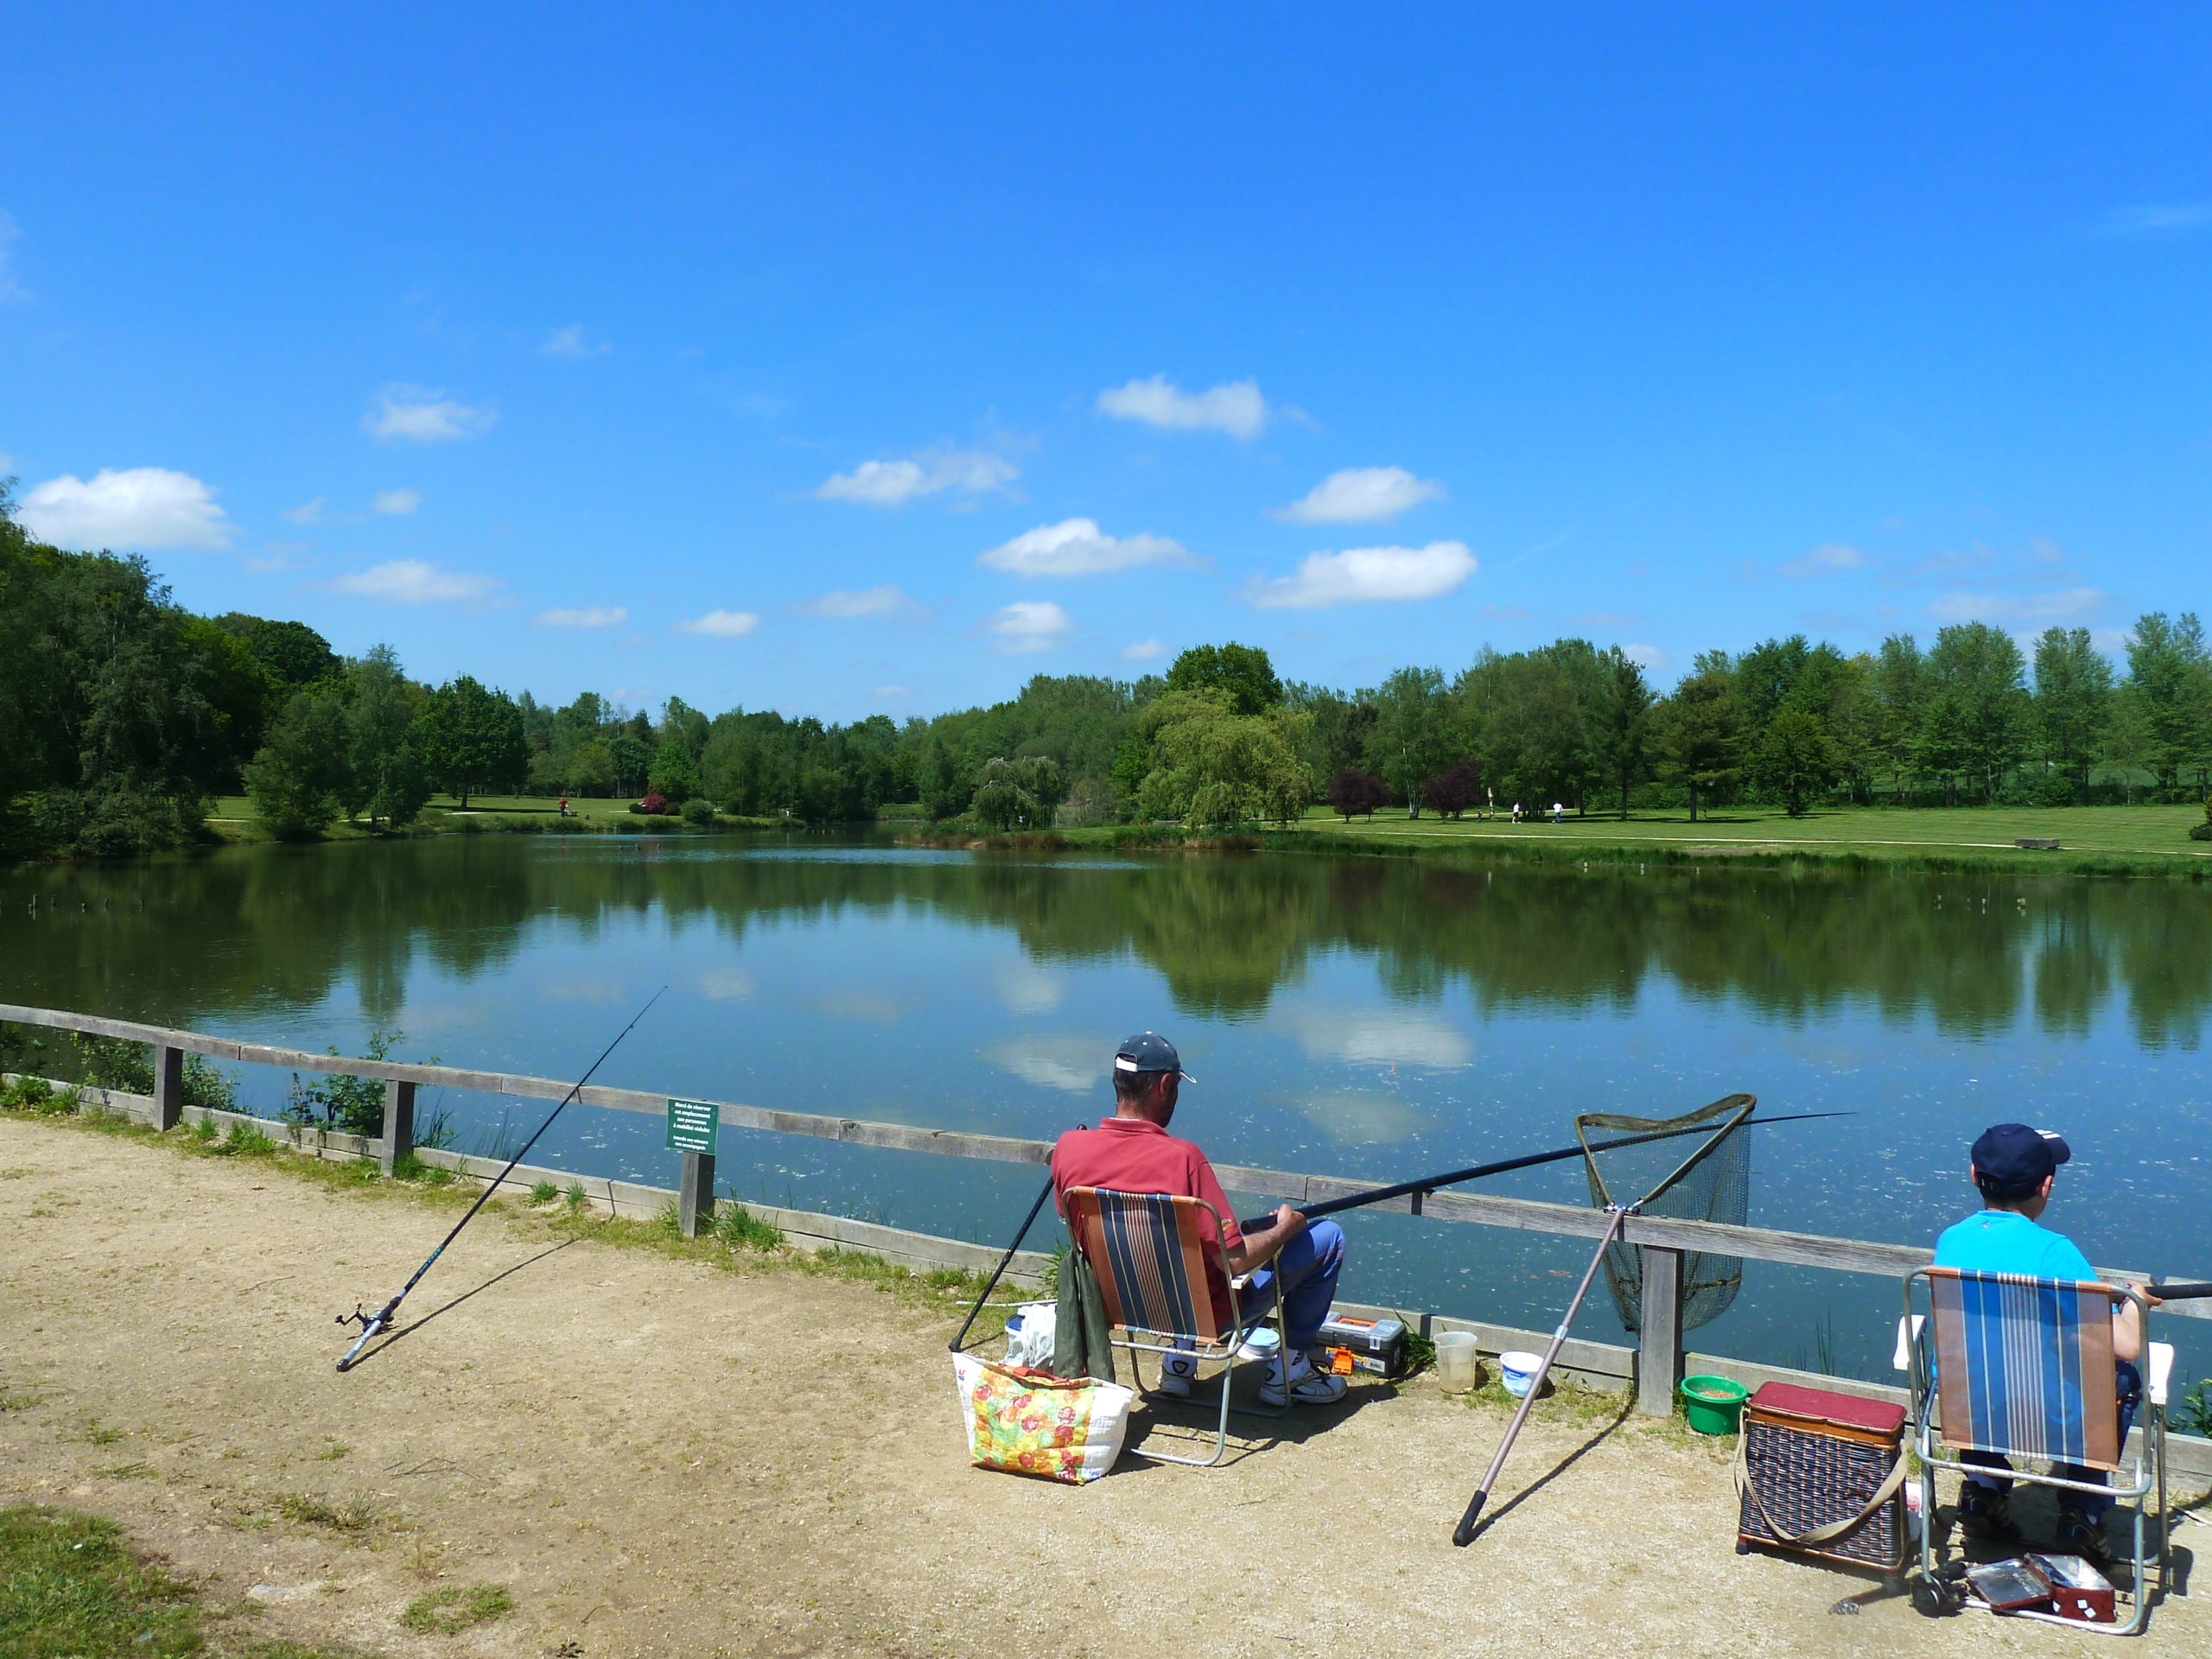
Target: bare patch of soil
655,1456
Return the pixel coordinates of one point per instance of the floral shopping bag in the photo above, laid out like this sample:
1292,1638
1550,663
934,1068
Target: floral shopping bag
1034,1423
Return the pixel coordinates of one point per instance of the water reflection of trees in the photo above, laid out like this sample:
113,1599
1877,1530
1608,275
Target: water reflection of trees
269,927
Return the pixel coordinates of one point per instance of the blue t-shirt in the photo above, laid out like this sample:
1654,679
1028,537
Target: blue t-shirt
2004,1240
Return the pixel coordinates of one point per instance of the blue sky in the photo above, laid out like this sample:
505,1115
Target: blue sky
844,358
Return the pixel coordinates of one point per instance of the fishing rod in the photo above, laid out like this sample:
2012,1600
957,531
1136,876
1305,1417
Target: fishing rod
1453,1178
381,1319
1027,1222
2176,1293
1617,1216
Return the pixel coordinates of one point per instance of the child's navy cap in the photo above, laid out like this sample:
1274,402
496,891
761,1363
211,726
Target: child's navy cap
2016,1160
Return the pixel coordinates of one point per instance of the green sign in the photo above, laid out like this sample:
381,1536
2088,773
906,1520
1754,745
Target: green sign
692,1124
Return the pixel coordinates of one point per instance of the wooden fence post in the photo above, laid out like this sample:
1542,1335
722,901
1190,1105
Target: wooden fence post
168,1086
399,1143
695,1199
1659,1347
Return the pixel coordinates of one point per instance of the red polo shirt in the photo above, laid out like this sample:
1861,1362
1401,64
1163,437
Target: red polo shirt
1130,1154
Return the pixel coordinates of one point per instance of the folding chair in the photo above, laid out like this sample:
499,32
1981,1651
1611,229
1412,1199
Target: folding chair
1148,1256
2024,1368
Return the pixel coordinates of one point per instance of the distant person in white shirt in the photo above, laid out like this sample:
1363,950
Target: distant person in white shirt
1559,813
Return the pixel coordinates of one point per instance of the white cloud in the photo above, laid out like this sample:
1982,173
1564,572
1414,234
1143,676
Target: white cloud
932,472
1028,625
1145,651
1236,408
415,581
1025,988
1076,547
841,605
1382,1038
2154,216
1072,1063
1652,658
1360,495
396,501
424,416
2067,604
891,694
9,230
308,512
722,624
1829,555
1367,573
136,507
569,342
588,616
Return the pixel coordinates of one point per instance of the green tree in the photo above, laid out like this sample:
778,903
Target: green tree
385,775
1897,710
1698,740
292,655
1977,707
299,780
945,792
1215,767
2072,703
1412,739
471,738
1794,757
591,770
1240,673
672,774
1020,794
1624,723
2170,682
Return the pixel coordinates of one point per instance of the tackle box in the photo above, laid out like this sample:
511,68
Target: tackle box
1377,1346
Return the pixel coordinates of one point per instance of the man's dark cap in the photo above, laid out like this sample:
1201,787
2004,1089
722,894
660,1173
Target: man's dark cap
2016,1160
1150,1052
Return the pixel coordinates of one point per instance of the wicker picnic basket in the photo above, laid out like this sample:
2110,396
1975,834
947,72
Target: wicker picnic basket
1822,1475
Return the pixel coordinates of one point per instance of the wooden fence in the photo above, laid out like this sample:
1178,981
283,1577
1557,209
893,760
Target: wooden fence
1658,1360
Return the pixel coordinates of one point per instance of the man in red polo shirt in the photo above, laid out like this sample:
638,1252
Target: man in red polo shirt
1132,1151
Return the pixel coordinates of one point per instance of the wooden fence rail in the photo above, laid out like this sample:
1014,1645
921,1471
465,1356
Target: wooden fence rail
1666,1241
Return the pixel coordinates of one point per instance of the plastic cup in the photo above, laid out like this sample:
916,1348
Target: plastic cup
1455,1361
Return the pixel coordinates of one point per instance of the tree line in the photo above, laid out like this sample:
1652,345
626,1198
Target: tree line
122,714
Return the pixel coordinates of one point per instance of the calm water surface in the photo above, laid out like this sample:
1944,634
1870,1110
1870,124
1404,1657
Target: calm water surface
1370,1018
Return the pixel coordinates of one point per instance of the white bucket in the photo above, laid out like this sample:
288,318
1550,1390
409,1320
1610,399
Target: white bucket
1455,1360
1517,1369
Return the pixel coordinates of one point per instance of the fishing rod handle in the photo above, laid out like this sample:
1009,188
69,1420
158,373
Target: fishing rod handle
2176,1293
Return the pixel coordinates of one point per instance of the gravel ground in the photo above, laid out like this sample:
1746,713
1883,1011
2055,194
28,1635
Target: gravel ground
659,1456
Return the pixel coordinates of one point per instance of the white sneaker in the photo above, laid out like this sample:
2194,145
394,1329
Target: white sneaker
1308,1387
1177,1373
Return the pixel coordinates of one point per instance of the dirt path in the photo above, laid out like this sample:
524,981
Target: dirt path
660,1456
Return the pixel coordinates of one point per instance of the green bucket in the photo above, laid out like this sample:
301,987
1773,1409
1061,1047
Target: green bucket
1714,1405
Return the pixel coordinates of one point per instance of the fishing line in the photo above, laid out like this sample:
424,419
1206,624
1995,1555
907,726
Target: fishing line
1027,1222
381,1319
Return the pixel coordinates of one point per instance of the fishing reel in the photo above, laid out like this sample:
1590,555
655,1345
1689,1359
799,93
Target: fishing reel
357,1317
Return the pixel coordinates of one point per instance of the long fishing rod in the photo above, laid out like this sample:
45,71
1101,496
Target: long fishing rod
1617,1216
992,1284
2176,1293
381,1319
1453,1178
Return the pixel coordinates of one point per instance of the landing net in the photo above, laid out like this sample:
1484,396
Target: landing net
1683,1179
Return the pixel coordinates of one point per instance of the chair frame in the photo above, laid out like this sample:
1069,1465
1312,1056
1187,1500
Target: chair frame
2148,1477
1223,1350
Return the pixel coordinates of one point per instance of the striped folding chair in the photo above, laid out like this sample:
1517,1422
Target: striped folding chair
2024,1367
1148,1255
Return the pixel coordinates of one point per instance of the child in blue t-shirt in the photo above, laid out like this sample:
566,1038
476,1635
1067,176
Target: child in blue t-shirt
2013,1167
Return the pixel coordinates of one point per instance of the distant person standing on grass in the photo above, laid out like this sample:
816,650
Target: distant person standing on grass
1559,812
1132,1151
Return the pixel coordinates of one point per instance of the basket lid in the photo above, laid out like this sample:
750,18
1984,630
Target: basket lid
1825,1405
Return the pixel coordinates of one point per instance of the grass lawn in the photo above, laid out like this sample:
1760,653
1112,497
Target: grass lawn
233,816
2135,834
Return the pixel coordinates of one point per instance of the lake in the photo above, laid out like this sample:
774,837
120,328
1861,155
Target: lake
1376,1018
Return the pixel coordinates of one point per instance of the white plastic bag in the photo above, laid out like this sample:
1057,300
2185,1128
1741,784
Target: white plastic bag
1029,1342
